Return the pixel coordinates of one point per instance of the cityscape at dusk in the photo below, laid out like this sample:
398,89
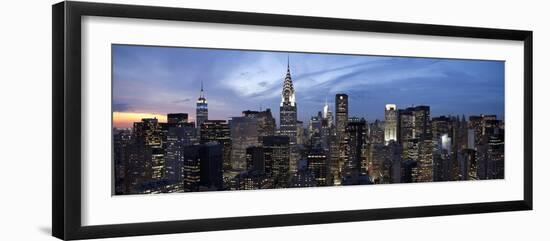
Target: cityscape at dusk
195,119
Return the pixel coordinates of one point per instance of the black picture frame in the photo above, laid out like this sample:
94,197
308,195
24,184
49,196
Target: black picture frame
66,127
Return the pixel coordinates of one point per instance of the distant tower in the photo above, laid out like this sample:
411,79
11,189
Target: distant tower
202,108
390,123
327,114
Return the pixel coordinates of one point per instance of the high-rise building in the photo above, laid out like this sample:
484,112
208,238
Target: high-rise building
122,151
266,122
422,127
244,134
405,126
218,131
341,119
356,131
495,155
467,164
314,129
202,108
178,135
149,161
300,133
384,162
376,132
277,159
288,109
342,109
317,164
415,136
203,167
327,114
443,131
390,123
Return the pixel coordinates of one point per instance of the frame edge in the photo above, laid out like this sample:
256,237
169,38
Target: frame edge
66,213
58,79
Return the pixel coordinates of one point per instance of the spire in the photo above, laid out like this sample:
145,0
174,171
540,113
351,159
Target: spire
288,63
288,95
201,96
325,108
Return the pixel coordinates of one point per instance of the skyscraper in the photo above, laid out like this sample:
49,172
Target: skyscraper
288,109
218,131
202,108
244,134
149,162
355,141
317,163
122,151
341,106
288,118
266,122
277,159
390,123
342,110
203,167
327,113
177,136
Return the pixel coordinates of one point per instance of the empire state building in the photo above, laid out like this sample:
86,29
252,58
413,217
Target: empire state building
288,109
202,109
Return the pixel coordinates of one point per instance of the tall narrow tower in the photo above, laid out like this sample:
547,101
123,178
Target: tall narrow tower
288,109
202,109
390,123
288,119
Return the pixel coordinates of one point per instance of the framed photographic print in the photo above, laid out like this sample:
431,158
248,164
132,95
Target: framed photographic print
170,120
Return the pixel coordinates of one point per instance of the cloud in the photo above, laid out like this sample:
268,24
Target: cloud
121,107
181,101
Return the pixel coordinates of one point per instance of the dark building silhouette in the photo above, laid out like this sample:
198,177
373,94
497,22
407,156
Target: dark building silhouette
203,167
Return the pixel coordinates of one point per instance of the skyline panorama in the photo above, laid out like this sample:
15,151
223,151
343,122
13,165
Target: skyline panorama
151,82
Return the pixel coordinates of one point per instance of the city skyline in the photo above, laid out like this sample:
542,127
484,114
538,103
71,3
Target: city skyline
154,81
292,143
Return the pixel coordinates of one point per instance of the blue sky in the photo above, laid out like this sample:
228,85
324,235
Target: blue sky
164,80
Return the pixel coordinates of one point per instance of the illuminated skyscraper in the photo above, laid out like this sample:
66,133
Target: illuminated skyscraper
149,162
277,159
327,114
415,136
288,118
317,164
342,110
218,131
355,142
390,123
178,134
288,109
202,109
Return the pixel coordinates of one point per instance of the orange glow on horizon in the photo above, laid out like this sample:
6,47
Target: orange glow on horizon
127,119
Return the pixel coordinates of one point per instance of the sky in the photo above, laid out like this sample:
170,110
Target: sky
151,81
